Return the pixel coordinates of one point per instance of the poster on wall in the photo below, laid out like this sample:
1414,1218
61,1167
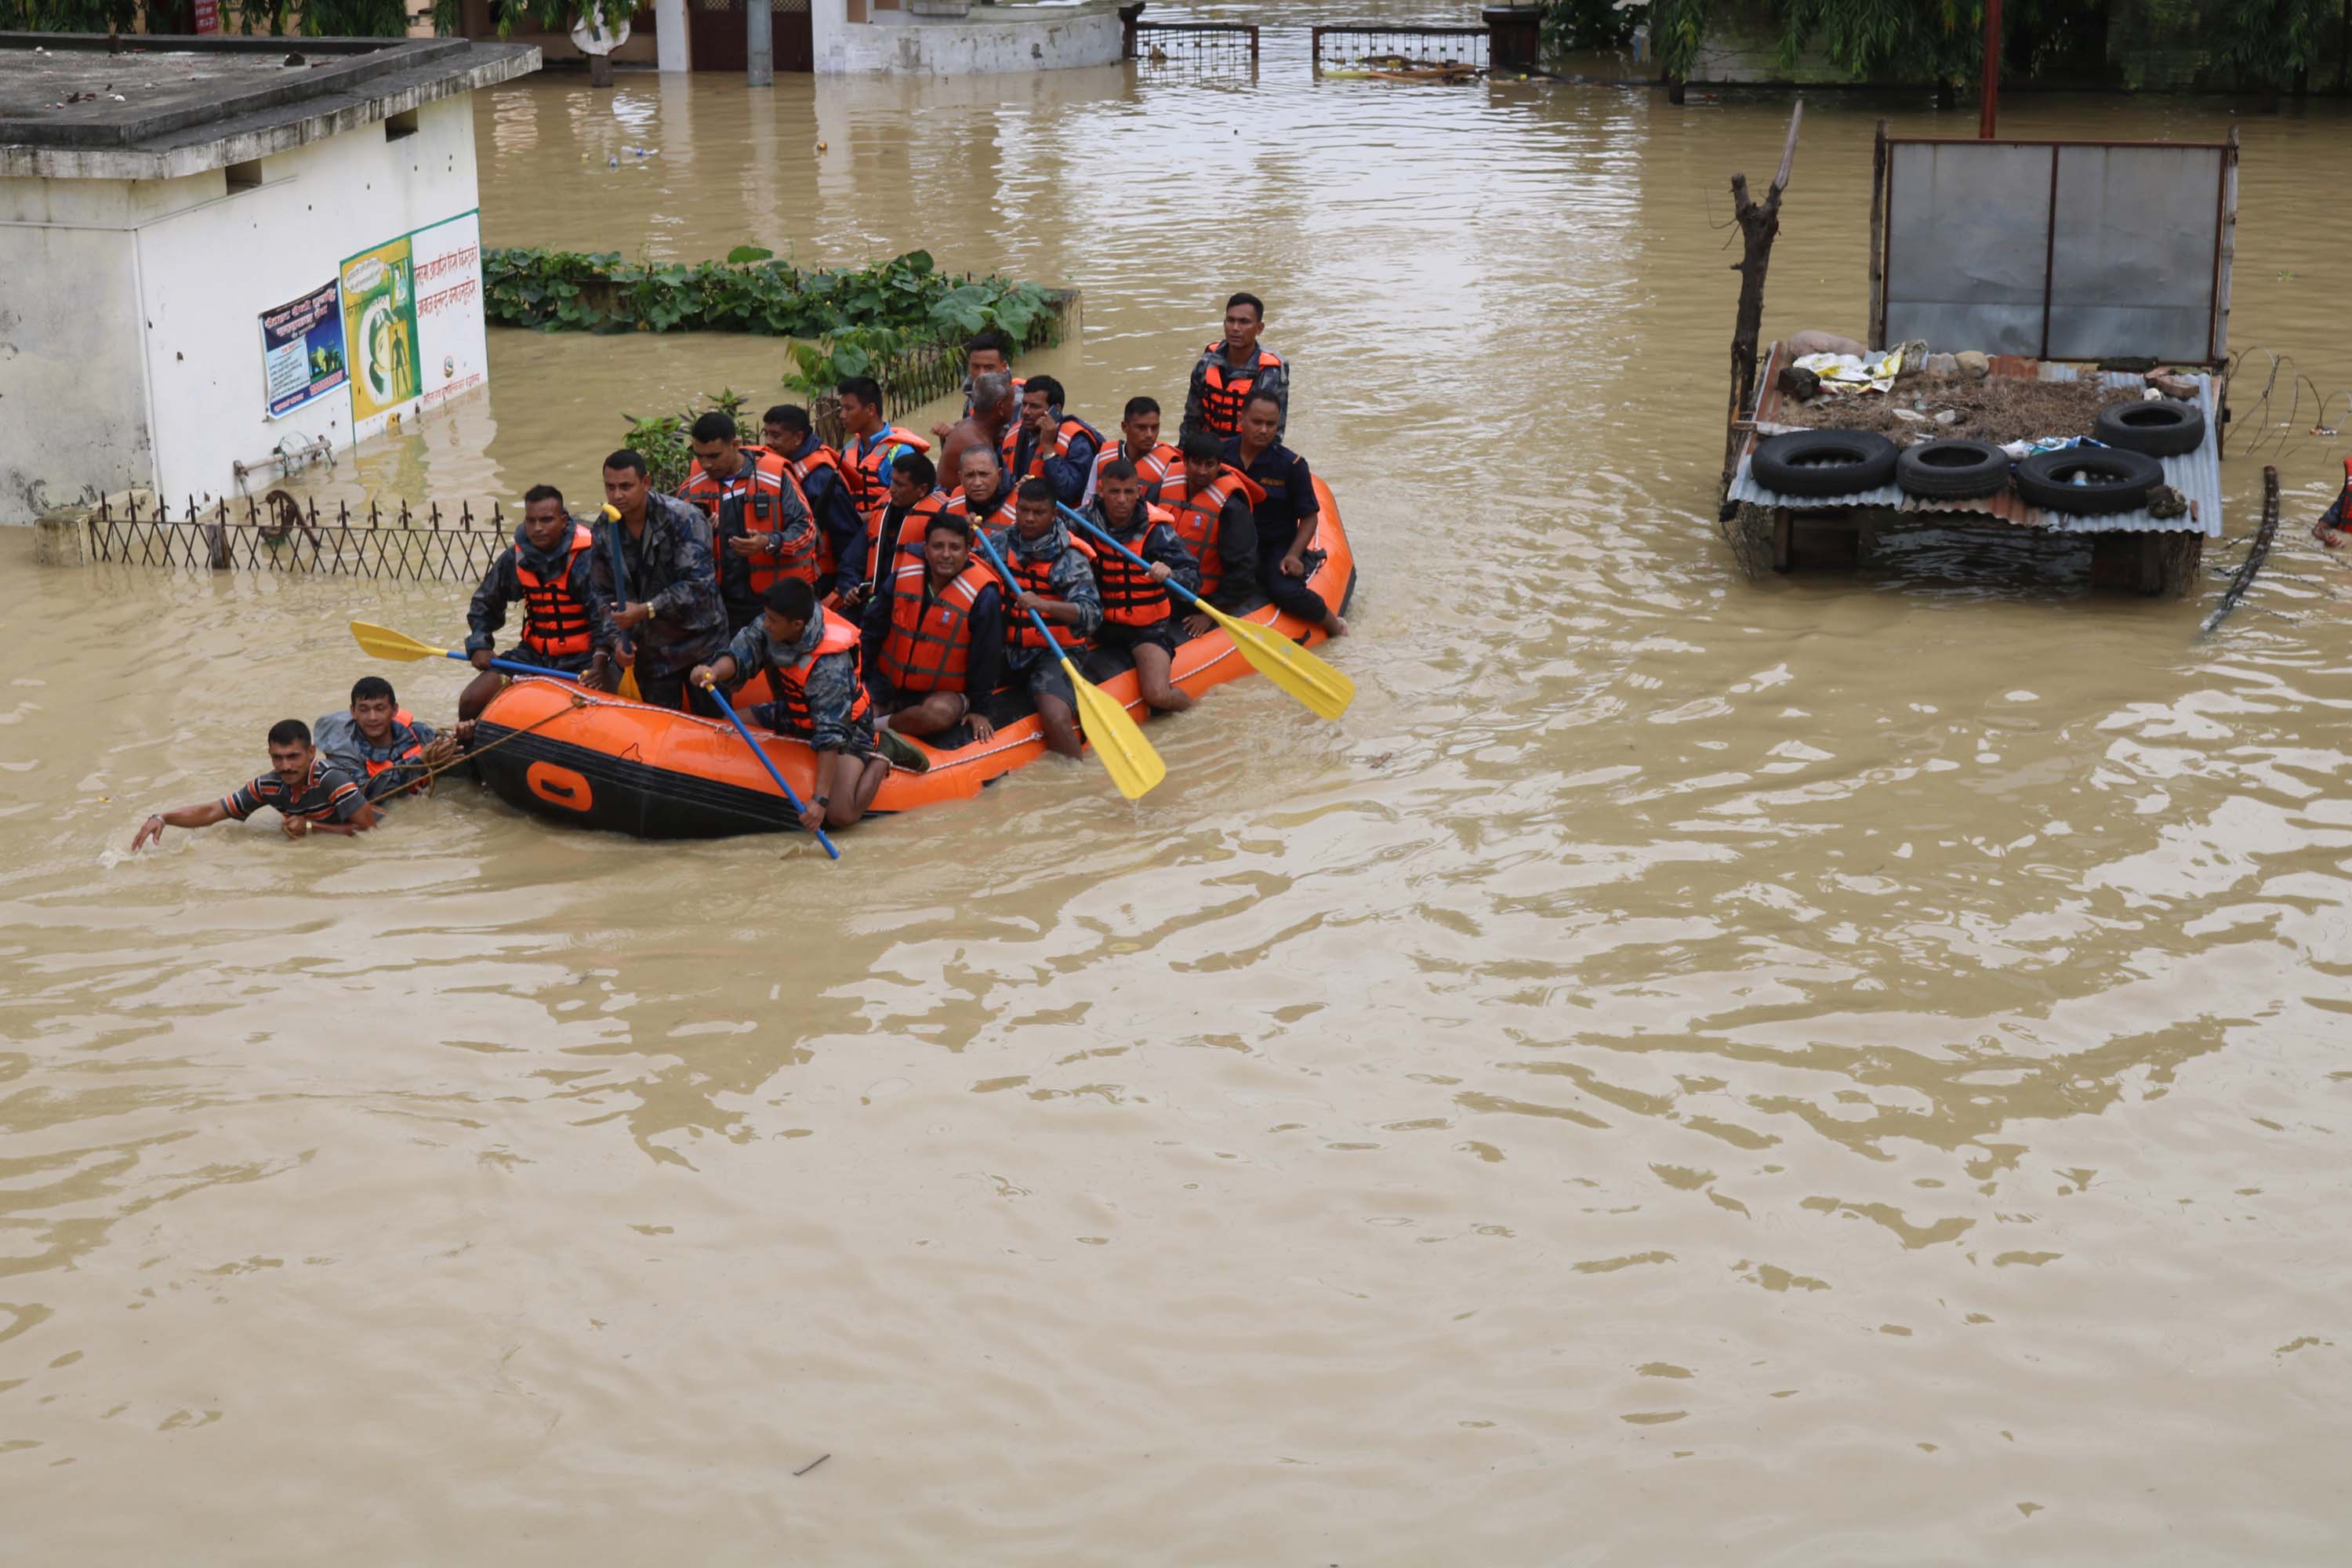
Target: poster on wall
207,15
302,349
453,347
379,299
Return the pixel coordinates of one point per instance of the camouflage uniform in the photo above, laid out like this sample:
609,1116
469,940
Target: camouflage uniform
669,570
831,688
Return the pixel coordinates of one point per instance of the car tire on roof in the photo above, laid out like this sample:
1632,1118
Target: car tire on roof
2160,426
1953,468
2111,480
1822,462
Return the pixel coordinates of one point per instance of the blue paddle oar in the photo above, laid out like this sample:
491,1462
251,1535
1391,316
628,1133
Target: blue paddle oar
765,761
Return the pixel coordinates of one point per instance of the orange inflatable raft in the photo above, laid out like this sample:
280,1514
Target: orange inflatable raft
659,774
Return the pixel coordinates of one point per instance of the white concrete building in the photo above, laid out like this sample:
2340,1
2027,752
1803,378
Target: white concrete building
220,250
961,37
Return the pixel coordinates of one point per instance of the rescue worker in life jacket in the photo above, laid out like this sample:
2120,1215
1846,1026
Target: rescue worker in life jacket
996,409
1049,445
382,744
1213,506
935,638
816,469
986,496
871,444
1232,369
1053,574
1286,517
904,524
309,794
1139,617
547,570
722,465
809,656
656,591
1139,443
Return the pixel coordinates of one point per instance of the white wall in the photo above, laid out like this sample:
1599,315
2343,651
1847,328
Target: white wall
141,302
211,270
73,385
992,39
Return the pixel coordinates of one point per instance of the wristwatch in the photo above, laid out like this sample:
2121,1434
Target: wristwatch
822,799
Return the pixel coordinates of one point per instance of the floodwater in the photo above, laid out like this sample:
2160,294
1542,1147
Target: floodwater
1827,1071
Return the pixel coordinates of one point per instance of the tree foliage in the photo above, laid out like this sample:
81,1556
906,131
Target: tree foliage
2245,44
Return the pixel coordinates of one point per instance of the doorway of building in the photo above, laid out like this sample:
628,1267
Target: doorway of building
715,30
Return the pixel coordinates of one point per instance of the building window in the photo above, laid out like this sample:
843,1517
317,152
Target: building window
397,126
245,176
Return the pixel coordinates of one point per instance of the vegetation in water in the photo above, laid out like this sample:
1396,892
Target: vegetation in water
750,291
663,439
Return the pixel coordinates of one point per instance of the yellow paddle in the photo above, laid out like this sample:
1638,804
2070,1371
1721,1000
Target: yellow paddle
1117,743
1324,690
382,642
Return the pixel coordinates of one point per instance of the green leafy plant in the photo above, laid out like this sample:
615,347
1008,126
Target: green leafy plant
752,291
663,439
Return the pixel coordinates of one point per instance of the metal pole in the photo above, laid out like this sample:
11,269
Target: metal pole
1989,100
759,44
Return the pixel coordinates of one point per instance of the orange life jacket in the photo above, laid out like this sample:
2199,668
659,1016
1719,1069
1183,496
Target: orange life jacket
759,507
913,529
1129,596
929,646
761,469
790,682
1037,577
1225,389
1194,517
554,623
1001,517
1152,467
861,466
402,719
1009,446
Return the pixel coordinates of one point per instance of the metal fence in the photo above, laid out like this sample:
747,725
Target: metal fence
1198,47
278,533
1373,47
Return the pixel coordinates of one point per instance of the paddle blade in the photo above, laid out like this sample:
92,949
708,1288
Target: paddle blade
1118,743
382,642
1324,690
629,692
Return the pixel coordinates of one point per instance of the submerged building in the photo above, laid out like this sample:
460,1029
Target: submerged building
222,254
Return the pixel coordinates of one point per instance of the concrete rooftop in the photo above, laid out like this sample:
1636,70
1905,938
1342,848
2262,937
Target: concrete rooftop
164,107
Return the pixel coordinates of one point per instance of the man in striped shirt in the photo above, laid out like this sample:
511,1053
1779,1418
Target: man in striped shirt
309,793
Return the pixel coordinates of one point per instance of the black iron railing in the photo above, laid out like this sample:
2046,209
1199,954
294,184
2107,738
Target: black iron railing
1199,48
278,533
1374,45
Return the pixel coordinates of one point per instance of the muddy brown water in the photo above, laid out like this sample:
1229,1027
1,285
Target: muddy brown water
1830,1070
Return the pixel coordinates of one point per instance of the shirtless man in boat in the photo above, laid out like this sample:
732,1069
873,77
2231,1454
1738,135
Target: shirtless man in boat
995,406
987,353
810,655
309,794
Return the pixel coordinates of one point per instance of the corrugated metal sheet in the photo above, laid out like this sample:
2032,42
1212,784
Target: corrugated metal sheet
2072,249
2196,475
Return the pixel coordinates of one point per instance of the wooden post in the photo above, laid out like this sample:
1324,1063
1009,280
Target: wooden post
1878,238
1758,222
